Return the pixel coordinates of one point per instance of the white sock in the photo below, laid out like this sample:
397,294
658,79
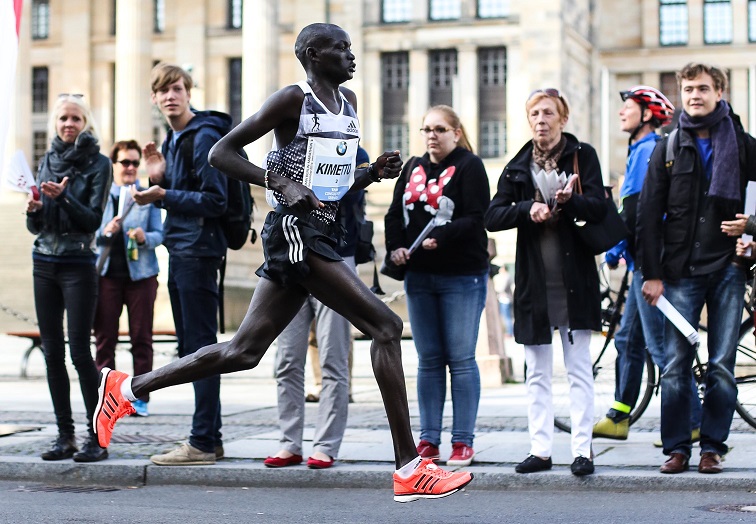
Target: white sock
406,470
126,390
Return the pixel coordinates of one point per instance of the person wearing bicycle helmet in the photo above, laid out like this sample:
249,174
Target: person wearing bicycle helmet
644,110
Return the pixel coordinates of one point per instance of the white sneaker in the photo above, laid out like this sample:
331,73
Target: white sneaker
184,455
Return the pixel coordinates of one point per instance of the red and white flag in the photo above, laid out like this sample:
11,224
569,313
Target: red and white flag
10,20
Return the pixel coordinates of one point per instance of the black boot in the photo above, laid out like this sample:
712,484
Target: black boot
63,448
91,451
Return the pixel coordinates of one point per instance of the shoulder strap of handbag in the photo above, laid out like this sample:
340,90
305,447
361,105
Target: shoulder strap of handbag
576,171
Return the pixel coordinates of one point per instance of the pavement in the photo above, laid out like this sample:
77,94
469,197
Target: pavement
366,458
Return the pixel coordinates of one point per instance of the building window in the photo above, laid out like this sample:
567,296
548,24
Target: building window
752,20
493,8
158,22
395,97
235,14
393,11
717,21
492,97
113,16
445,9
443,70
235,89
40,89
673,22
40,19
39,147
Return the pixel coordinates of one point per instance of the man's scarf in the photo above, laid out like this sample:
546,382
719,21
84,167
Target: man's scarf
725,178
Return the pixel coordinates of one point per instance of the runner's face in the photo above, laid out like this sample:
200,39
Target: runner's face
338,57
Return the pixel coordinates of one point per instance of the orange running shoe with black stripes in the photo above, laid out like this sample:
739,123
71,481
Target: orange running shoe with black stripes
428,481
110,405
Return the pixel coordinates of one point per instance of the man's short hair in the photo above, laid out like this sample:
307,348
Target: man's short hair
694,70
312,35
164,74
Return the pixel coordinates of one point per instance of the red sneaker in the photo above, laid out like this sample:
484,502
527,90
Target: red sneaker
428,481
427,450
462,455
110,405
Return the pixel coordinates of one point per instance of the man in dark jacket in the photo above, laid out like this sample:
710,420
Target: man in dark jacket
194,197
691,188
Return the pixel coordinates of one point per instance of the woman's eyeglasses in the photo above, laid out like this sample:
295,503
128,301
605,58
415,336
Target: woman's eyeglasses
549,91
128,163
74,95
439,130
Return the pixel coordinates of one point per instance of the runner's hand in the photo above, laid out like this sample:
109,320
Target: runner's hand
298,196
388,165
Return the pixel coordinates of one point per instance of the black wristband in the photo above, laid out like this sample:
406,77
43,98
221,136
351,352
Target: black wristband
372,175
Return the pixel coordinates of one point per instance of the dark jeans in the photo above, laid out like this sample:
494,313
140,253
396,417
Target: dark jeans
722,292
642,327
193,288
139,298
69,288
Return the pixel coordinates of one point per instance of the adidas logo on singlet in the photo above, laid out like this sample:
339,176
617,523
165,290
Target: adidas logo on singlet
351,128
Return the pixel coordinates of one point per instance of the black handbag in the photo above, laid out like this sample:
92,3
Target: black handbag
391,270
599,237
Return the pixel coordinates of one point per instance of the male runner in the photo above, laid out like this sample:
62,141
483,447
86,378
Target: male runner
307,172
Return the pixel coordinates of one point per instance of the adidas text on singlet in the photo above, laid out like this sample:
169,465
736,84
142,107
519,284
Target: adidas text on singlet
322,154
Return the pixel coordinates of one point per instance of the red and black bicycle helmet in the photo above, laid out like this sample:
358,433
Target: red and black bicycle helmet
661,108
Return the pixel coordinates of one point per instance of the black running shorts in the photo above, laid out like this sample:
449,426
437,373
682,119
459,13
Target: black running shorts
288,238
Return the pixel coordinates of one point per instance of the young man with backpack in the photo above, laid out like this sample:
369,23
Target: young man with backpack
195,197
694,186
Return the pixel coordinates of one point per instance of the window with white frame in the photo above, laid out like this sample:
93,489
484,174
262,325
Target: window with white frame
493,8
752,20
395,98
443,70
158,22
445,9
673,22
40,89
235,89
492,97
393,11
235,14
717,21
40,19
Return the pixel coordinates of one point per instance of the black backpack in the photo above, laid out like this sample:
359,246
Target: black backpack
236,222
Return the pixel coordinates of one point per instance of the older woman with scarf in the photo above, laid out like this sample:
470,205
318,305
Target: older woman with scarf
74,180
556,281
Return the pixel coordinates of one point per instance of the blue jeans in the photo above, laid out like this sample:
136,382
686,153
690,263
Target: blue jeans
193,289
642,327
69,288
722,292
444,312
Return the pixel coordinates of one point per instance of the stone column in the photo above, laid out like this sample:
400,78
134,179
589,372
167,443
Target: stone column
465,91
191,47
695,23
418,98
133,62
260,71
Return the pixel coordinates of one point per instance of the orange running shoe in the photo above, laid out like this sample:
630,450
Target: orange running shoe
428,481
110,405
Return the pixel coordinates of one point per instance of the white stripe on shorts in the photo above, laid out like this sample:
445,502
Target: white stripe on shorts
293,238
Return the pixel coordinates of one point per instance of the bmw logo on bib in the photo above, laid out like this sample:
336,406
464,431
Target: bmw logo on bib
341,148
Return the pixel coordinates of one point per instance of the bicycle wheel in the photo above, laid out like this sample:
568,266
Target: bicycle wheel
604,379
745,373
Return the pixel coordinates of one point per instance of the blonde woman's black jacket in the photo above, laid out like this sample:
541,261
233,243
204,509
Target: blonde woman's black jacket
510,209
66,226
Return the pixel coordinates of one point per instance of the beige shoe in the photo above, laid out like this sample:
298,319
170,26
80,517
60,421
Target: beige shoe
695,436
184,455
219,452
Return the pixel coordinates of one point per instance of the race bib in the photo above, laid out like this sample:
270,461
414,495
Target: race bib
329,166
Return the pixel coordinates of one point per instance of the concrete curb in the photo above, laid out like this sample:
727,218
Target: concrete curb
124,473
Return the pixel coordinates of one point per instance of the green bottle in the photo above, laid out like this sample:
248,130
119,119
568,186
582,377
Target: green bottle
132,249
